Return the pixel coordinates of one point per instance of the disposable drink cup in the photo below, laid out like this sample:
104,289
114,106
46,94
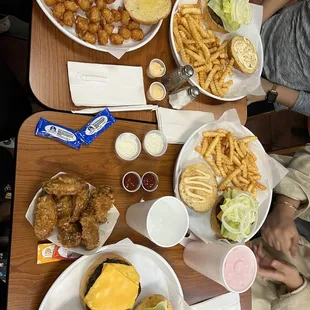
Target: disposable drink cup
164,221
233,266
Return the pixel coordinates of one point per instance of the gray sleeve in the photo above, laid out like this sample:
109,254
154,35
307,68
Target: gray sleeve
302,104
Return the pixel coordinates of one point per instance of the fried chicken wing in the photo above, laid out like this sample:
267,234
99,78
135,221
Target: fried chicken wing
90,230
64,210
101,201
64,184
45,216
70,235
79,203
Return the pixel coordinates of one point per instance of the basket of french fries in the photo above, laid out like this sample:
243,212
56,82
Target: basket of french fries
211,55
224,164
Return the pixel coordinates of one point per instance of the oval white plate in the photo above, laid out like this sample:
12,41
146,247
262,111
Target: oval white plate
193,80
128,46
199,223
65,292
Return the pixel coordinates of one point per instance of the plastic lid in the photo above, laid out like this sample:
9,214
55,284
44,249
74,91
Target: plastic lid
193,91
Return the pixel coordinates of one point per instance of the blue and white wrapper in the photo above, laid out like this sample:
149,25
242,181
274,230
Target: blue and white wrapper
60,133
97,125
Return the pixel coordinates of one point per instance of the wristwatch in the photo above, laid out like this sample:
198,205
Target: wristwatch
272,95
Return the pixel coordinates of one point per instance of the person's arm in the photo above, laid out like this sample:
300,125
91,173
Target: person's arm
272,6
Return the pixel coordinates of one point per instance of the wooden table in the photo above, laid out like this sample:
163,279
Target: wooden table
38,159
50,50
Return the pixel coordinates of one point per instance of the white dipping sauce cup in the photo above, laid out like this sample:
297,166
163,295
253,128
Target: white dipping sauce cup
152,74
165,143
149,93
164,221
135,140
210,258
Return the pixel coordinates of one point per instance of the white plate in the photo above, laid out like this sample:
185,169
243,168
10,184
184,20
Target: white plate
156,277
199,223
105,229
238,77
128,46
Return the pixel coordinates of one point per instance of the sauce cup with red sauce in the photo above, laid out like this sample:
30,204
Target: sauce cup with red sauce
131,181
149,181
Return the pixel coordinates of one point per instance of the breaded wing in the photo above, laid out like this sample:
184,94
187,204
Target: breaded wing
64,184
64,210
79,203
90,230
70,235
45,216
101,201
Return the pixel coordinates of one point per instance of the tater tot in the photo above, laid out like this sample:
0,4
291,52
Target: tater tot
124,32
103,37
68,18
101,4
89,37
116,39
125,17
50,2
81,24
91,1
93,28
108,16
117,15
85,5
109,28
137,34
103,22
59,10
110,1
133,25
94,15
71,6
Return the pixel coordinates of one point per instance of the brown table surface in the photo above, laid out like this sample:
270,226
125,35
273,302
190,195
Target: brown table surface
50,50
38,159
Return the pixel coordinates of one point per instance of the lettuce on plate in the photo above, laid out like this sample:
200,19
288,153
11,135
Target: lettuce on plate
233,13
240,213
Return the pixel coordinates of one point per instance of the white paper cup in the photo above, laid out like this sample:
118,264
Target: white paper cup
164,139
164,221
150,95
153,75
215,260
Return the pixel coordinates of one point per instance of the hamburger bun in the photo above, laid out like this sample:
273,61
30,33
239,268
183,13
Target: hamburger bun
152,301
213,21
244,52
203,175
148,12
214,220
94,271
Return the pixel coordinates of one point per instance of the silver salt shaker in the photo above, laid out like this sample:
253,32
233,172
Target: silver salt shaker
181,98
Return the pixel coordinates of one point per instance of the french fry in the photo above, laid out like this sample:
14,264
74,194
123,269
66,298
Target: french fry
216,62
193,30
250,187
237,148
201,77
185,40
206,53
217,75
197,16
215,56
201,30
201,69
225,90
205,145
213,89
219,159
219,88
226,160
198,149
210,76
229,178
191,11
223,55
213,166
249,139
193,48
188,6
228,84
208,41
243,148
257,184
223,45
194,55
212,145
232,148
179,42
213,50
183,29
223,62
254,191
236,182
245,169
225,73
213,134
243,180
236,161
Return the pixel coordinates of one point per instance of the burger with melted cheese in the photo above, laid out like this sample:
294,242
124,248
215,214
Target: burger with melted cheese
111,282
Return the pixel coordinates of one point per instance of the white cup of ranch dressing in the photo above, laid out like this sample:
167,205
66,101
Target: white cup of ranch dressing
155,143
128,146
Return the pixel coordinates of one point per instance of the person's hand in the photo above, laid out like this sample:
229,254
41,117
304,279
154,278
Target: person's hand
279,231
275,270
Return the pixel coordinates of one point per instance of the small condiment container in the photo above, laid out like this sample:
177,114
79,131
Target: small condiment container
131,181
156,69
149,181
156,92
155,143
128,146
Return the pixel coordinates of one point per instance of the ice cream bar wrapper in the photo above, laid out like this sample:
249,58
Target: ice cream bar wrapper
97,125
49,253
60,133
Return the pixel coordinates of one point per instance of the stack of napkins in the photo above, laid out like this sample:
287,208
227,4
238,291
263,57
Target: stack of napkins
178,126
119,88
230,301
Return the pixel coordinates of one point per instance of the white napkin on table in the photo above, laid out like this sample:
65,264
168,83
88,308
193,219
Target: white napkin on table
99,85
230,301
177,126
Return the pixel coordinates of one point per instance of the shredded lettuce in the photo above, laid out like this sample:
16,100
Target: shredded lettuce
240,211
233,13
163,305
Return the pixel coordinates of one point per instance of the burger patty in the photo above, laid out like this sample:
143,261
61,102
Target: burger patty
215,17
98,271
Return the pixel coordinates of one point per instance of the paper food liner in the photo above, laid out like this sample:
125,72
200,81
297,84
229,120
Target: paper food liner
116,51
105,229
244,84
156,277
271,171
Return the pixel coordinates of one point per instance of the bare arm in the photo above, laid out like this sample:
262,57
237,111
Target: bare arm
272,6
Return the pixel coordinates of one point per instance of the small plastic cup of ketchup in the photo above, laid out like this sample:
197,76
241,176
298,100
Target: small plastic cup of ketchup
149,181
131,181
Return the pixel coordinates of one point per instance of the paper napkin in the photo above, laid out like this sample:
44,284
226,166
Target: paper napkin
230,301
97,85
177,126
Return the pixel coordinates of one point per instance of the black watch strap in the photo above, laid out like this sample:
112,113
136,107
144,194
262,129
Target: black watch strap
272,95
